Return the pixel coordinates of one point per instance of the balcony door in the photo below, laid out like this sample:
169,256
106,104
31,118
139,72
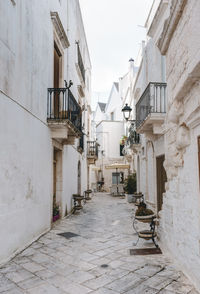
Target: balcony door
161,180
57,78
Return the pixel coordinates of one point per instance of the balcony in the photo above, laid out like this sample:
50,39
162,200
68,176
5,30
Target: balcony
63,115
92,151
151,109
80,68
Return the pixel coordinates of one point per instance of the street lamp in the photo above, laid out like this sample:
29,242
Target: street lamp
126,112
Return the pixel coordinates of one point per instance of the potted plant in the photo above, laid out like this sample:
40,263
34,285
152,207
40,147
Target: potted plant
56,211
123,140
130,186
144,214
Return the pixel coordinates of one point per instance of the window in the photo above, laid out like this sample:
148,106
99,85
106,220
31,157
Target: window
121,149
117,178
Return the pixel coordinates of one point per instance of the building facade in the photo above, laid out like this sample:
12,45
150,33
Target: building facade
167,116
109,130
180,223
45,119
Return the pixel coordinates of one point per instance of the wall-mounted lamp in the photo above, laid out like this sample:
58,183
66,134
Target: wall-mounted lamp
126,112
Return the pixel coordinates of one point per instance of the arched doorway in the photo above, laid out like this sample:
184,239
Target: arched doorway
79,178
151,180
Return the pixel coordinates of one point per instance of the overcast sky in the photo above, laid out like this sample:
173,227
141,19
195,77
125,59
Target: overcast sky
114,35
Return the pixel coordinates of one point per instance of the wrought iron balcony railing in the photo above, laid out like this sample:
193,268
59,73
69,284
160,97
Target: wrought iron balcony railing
92,149
153,100
133,137
61,105
80,63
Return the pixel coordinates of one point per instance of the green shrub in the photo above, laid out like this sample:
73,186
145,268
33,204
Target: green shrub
143,212
55,206
130,184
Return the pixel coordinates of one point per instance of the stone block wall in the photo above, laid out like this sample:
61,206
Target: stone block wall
180,221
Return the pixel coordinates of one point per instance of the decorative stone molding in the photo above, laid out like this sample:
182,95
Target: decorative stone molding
158,16
182,137
175,111
128,153
60,29
170,25
177,139
81,91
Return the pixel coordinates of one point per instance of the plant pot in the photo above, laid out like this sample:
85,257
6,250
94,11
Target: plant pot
145,218
147,234
129,198
56,217
138,196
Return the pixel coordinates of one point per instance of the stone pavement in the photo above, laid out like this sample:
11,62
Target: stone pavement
97,261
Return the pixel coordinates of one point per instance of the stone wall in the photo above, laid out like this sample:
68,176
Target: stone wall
180,220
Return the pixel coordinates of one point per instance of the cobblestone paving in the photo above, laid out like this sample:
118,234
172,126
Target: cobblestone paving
57,265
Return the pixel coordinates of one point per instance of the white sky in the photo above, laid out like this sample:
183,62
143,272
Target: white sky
114,35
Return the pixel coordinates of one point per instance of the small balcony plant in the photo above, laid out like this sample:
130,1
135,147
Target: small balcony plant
123,140
56,210
144,214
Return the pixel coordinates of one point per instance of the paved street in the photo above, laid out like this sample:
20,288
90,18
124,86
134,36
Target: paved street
97,261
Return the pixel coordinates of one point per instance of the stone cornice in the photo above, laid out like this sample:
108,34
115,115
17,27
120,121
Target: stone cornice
60,29
170,25
155,22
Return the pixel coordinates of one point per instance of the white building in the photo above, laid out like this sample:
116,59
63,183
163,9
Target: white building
110,130
170,128
41,45
179,41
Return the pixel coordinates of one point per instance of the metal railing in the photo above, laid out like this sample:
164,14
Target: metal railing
61,105
153,100
80,63
92,148
133,137
81,142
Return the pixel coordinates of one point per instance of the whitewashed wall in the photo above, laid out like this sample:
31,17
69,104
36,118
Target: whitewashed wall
109,134
25,177
181,218
151,69
114,105
26,159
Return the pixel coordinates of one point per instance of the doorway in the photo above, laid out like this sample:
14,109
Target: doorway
138,173
79,178
57,180
161,180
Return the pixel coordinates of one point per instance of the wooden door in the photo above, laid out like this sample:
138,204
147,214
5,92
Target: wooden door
79,178
161,180
57,57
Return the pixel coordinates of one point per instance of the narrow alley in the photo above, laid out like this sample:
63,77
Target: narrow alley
95,260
